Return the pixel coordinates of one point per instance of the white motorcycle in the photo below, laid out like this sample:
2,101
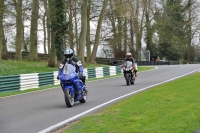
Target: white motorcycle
128,69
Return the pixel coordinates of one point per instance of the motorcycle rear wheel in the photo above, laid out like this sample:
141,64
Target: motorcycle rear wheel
69,98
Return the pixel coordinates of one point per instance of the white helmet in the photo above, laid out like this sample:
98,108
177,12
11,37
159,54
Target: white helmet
128,54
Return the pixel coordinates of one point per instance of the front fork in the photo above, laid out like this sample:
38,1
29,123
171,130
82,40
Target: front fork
128,73
71,88
77,95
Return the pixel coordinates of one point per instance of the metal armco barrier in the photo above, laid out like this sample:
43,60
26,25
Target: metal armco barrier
35,80
9,83
28,81
46,79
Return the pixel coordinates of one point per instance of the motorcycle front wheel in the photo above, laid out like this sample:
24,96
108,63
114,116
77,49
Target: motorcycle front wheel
69,98
127,77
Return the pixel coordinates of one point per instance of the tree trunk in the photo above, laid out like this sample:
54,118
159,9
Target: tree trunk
131,46
88,44
4,47
4,43
1,26
125,36
71,34
58,29
52,58
113,22
76,30
19,30
189,32
138,27
33,56
96,43
82,39
119,37
44,30
150,47
48,25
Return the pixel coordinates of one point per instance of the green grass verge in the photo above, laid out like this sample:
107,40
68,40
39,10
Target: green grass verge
168,108
12,67
4,94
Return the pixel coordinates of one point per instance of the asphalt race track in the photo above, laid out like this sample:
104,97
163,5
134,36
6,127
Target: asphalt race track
37,111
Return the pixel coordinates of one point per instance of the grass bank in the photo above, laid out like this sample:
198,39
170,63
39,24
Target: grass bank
11,67
169,108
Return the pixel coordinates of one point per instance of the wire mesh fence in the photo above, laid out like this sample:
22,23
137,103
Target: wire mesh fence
144,55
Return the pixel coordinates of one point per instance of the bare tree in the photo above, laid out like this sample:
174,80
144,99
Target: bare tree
1,25
47,13
4,47
53,58
71,34
19,29
34,29
138,25
4,43
45,33
125,35
97,36
76,27
149,27
136,14
88,43
83,34
189,33
119,16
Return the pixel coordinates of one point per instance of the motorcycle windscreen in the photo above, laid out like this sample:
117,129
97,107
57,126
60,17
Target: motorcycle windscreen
128,64
69,72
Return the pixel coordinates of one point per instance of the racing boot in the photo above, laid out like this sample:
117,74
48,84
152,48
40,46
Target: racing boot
86,88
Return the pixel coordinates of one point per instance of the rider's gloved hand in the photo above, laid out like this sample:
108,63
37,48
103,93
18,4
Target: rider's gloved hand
57,77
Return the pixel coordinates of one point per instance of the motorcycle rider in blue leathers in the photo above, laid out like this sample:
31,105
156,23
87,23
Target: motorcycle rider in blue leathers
71,59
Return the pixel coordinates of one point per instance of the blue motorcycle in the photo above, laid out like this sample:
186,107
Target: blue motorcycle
72,86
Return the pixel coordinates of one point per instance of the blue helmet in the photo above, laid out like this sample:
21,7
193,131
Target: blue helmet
68,53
